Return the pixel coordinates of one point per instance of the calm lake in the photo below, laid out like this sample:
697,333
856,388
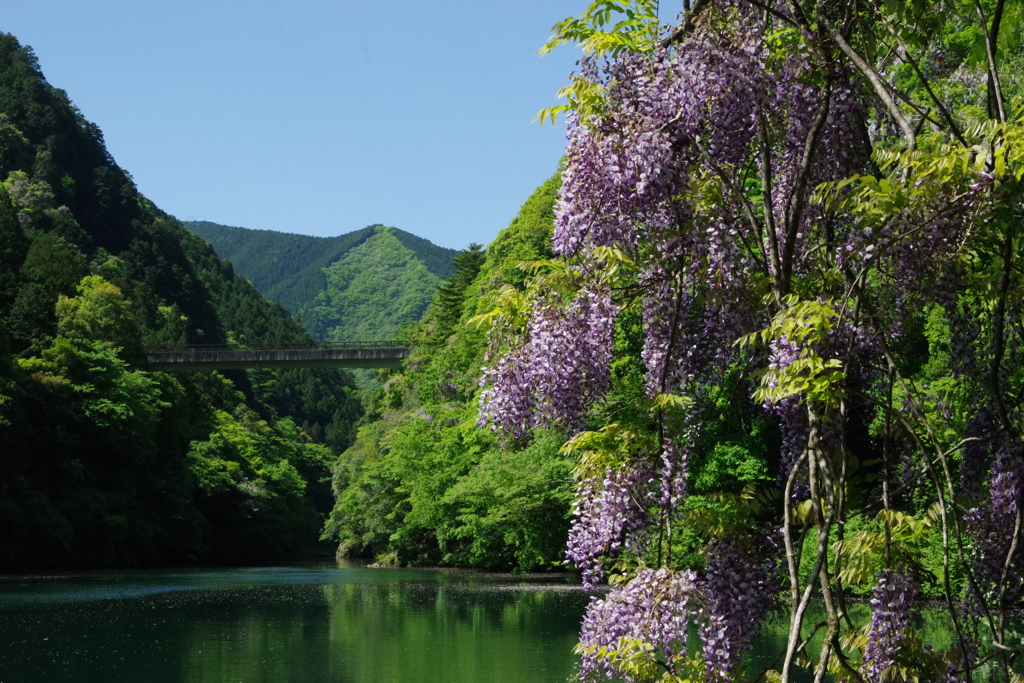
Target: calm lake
299,624
315,623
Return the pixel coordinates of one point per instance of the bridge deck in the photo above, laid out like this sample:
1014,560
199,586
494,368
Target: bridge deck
347,355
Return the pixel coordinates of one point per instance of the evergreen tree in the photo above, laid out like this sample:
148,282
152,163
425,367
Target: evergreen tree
14,247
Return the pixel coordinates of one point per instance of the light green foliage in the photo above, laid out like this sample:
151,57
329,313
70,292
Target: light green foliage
247,456
640,661
33,197
105,391
248,472
99,313
801,324
607,27
512,505
418,460
925,176
373,290
87,361
612,446
865,550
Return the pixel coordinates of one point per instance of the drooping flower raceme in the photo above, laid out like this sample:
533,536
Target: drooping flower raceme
655,608
742,582
991,528
561,367
890,616
609,517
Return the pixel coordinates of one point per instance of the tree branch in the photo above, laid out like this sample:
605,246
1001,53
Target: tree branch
744,201
795,205
995,90
773,12
881,88
998,338
687,25
769,209
906,57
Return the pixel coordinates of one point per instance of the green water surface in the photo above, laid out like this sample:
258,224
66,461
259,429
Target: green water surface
320,623
299,624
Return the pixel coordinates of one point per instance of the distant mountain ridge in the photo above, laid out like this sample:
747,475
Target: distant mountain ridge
289,268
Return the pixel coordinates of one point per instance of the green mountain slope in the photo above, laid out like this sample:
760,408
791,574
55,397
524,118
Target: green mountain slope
288,268
101,461
371,291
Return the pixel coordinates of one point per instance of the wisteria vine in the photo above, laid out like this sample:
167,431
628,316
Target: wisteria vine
748,186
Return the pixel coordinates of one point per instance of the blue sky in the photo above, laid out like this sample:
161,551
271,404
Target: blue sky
315,117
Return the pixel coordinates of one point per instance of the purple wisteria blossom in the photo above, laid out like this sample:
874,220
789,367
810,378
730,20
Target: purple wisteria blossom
742,583
561,367
656,608
991,529
610,516
890,617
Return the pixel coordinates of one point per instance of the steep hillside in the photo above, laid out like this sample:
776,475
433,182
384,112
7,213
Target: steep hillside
423,483
101,461
289,268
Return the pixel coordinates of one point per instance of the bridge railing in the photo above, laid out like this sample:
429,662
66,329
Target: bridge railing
324,346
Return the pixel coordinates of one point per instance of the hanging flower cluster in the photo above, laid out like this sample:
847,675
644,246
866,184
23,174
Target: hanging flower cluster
561,367
770,246
742,584
890,616
655,610
609,517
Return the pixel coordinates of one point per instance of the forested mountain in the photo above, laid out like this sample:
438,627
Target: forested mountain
101,461
289,268
371,291
423,484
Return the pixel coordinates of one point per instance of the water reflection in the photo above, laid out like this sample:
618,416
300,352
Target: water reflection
286,624
431,632
315,624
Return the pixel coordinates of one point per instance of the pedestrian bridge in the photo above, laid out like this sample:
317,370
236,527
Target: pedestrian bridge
237,357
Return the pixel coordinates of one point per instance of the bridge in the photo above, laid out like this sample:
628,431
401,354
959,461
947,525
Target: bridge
237,357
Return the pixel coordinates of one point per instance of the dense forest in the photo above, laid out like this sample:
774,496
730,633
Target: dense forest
371,291
289,268
103,462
